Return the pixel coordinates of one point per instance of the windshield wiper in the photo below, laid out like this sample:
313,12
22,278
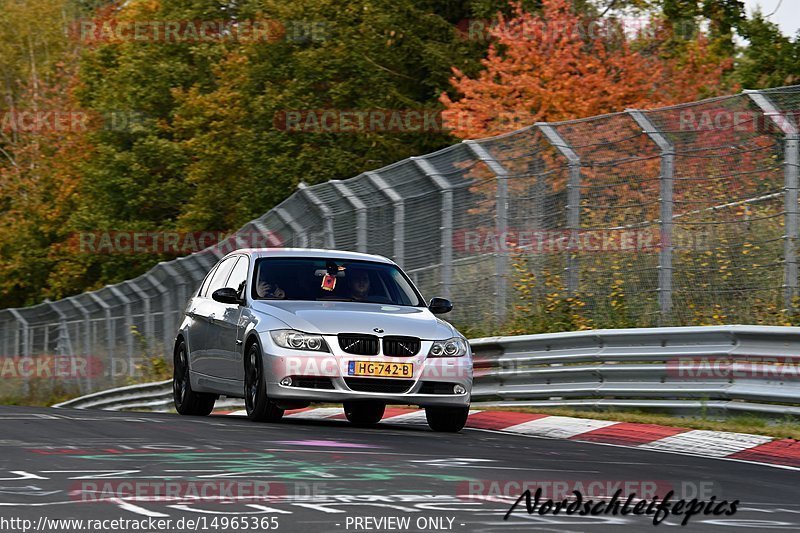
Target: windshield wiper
337,300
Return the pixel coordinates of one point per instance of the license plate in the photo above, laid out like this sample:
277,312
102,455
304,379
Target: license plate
378,369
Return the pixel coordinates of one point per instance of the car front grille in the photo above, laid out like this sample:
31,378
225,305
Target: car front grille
393,386
357,344
400,346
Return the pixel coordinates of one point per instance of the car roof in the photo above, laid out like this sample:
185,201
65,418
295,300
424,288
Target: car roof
311,252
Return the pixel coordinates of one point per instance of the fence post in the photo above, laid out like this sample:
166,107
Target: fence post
297,229
791,167
23,323
327,214
166,309
399,214
361,213
573,201
149,327
87,338
446,245
666,207
272,239
501,225
126,302
110,333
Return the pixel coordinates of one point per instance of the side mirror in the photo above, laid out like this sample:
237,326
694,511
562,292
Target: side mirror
226,295
440,306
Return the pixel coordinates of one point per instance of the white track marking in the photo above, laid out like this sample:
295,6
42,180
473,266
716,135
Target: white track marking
317,414
707,443
558,427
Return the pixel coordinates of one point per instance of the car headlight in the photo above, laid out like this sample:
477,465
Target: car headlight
455,347
297,340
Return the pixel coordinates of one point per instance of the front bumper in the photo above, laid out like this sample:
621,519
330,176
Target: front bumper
443,371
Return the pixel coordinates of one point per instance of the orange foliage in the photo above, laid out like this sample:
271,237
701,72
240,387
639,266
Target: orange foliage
543,68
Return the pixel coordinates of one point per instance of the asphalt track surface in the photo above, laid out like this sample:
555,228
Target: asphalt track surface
323,476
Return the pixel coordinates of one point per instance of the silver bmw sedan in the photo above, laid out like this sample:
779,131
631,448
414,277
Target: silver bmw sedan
284,327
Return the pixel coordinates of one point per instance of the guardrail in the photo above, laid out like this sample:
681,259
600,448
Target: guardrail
721,368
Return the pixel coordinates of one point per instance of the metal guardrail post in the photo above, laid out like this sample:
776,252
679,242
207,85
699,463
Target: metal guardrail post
665,271
297,229
446,245
573,200
325,211
501,226
126,302
398,239
360,209
791,167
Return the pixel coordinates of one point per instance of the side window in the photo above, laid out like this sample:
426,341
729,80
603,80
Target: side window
221,275
204,286
238,278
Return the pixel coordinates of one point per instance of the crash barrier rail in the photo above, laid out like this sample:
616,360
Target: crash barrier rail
752,369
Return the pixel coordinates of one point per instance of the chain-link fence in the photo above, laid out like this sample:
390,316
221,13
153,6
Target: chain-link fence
677,216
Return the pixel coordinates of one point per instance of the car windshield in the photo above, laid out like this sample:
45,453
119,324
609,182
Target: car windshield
317,279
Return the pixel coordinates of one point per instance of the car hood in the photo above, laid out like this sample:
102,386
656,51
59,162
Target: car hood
331,318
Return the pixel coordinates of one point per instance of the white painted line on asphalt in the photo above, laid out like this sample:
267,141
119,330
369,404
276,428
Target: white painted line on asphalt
558,427
707,443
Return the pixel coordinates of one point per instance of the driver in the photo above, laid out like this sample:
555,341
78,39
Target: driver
265,289
358,281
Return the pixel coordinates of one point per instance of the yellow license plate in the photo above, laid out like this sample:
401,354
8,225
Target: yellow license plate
378,369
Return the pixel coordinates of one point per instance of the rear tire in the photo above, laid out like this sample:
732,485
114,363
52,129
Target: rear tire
447,419
259,407
187,402
364,414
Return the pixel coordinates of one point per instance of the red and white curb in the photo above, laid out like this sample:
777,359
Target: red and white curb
768,451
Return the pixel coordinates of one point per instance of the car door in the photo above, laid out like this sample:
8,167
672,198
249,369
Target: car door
228,363
203,342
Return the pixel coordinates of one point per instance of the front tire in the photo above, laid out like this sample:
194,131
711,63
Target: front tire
447,419
259,407
364,414
187,402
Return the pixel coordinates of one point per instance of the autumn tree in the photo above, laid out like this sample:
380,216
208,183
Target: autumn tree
548,67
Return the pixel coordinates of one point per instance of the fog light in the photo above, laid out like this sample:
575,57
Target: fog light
286,382
458,389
